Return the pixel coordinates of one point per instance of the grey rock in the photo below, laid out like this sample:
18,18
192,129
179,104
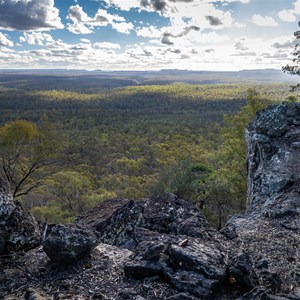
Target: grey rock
193,283
241,269
254,294
153,251
272,140
142,269
166,213
66,244
262,264
181,296
205,259
113,221
18,229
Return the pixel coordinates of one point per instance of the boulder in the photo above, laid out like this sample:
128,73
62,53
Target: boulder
192,282
242,271
18,229
207,260
166,213
113,221
66,244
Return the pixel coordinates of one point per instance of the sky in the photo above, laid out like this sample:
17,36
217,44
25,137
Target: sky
147,34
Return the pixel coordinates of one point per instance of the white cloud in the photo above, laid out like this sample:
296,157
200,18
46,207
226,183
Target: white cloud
150,32
125,4
284,43
78,28
263,21
4,41
123,27
76,14
36,38
290,15
108,56
85,41
81,23
209,38
287,15
106,45
228,1
27,15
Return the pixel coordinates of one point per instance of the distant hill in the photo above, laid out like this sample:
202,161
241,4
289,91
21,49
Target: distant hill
81,79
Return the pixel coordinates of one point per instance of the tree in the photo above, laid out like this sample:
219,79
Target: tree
294,68
71,189
224,191
25,149
185,179
232,155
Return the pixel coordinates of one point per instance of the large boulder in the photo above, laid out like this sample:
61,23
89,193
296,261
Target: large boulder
18,229
273,156
66,244
113,221
166,213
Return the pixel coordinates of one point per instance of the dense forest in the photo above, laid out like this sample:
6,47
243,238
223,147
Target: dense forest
64,151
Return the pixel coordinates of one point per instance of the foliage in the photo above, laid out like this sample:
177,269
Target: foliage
294,68
185,179
25,150
227,189
128,142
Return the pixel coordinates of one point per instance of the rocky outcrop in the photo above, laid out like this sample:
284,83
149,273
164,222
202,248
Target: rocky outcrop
169,237
18,229
273,155
269,233
163,248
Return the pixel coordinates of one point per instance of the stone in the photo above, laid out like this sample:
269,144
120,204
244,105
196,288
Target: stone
113,221
19,231
262,264
181,296
141,269
193,283
153,251
66,244
166,213
196,256
241,269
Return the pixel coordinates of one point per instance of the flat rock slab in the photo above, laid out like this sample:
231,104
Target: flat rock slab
196,256
192,282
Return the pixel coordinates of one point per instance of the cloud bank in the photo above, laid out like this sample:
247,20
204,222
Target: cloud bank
27,15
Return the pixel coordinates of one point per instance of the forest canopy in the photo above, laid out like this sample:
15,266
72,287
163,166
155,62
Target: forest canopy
64,151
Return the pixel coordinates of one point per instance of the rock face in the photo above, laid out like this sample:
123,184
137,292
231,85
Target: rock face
18,229
273,155
163,248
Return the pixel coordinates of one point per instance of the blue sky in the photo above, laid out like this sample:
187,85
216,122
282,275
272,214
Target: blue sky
147,34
